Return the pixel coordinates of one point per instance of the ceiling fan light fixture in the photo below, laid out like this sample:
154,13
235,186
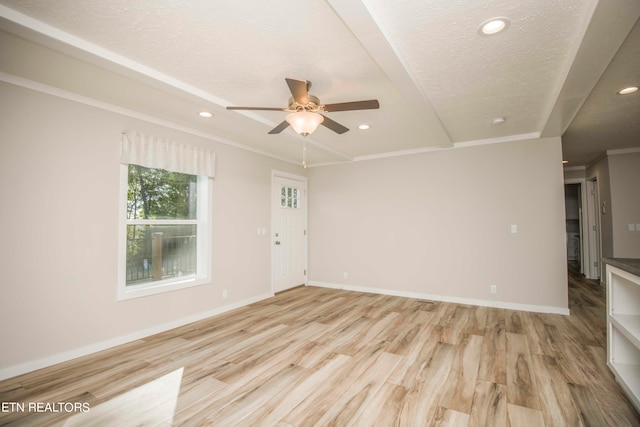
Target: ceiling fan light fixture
304,122
628,90
493,26
205,114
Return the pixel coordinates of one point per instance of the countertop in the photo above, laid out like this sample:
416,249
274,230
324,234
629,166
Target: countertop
630,265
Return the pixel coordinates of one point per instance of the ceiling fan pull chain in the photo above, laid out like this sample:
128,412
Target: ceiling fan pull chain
304,154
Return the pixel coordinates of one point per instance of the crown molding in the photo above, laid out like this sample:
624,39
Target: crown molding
80,99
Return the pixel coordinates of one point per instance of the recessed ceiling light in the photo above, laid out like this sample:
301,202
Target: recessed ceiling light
363,127
498,121
564,162
205,114
493,26
628,90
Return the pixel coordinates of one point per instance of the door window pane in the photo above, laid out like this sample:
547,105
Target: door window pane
290,198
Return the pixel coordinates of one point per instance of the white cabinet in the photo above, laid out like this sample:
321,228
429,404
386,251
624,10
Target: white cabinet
623,330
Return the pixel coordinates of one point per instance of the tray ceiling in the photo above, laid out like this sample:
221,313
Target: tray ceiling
554,71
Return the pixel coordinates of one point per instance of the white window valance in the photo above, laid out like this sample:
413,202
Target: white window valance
154,152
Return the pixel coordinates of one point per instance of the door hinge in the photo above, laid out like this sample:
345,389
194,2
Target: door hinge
305,272
595,263
305,232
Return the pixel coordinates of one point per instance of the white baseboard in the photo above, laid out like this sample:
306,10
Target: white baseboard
23,368
457,300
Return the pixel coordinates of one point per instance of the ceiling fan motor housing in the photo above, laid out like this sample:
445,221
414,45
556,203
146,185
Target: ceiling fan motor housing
313,105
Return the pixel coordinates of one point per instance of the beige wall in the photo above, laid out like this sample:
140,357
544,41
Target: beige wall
439,224
435,223
59,176
571,173
624,173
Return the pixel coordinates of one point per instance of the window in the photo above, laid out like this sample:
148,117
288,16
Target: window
289,197
164,230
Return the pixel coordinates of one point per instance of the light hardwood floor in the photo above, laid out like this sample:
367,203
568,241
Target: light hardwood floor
313,356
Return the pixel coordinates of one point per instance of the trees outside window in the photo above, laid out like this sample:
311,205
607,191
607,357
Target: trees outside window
165,214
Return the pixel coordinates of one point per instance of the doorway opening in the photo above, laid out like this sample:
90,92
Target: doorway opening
573,215
583,226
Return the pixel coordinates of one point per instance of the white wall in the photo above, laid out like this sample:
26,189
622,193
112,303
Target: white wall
59,171
439,224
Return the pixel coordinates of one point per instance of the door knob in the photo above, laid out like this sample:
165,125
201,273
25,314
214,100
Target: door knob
277,242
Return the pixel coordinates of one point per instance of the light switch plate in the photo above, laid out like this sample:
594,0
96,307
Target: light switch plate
632,227
514,228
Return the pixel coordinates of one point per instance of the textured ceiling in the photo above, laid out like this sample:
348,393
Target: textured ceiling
608,121
471,79
439,82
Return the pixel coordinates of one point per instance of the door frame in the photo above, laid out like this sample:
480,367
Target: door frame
594,224
274,206
585,253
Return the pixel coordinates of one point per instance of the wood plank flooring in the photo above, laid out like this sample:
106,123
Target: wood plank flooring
313,356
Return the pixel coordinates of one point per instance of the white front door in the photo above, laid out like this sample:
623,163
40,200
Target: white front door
288,231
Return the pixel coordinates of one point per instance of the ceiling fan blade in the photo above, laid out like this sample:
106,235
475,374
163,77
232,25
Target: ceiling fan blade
282,126
257,108
370,104
333,125
299,90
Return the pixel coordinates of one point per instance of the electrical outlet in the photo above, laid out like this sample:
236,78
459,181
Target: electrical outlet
225,293
494,289
345,275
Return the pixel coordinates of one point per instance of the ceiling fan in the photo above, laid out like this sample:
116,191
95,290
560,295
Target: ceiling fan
305,110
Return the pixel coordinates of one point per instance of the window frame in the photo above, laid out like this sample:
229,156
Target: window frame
203,243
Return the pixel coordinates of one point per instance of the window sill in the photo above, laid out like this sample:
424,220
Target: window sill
148,289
